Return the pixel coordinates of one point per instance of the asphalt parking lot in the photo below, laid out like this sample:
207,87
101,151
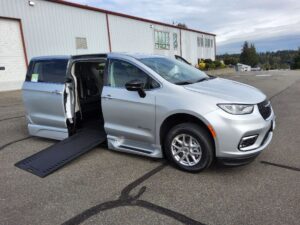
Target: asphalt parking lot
105,187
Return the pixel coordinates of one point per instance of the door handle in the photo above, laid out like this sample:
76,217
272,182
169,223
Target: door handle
56,92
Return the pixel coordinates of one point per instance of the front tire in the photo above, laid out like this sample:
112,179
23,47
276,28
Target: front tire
189,147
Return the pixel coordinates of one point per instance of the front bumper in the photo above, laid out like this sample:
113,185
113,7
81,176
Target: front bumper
237,161
230,129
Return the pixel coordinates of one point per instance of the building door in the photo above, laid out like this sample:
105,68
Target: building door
12,59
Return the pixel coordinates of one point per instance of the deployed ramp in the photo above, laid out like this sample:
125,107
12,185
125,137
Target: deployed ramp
56,156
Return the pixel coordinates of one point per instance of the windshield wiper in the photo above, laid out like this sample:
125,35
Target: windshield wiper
212,77
202,79
192,82
182,83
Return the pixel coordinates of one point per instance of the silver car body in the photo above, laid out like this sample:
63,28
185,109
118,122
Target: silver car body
133,124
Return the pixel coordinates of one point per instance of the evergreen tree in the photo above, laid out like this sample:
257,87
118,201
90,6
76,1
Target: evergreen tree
296,63
249,55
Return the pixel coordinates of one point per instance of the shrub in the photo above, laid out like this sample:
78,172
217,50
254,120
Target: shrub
202,65
208,64
208,61
218,63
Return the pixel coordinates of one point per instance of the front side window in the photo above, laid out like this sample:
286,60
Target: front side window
162,40
174,71
121,72
48,71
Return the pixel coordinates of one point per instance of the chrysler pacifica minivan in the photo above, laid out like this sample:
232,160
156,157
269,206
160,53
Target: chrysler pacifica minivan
149,105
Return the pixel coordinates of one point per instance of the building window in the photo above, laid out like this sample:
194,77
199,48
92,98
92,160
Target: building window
81,43
200,41
208,42
162,40
175,41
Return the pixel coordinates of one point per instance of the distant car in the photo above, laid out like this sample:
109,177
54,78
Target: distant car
255,69
149,105
242,67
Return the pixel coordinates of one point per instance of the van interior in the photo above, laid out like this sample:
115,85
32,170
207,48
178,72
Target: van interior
88,78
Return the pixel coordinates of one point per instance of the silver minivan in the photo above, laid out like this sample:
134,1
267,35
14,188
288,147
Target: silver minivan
149,105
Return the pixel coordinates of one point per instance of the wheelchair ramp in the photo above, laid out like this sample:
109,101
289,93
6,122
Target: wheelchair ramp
56,156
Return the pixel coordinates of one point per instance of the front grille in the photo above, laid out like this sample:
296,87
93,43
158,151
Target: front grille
265,108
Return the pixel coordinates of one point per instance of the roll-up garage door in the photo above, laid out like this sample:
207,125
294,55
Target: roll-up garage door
12,59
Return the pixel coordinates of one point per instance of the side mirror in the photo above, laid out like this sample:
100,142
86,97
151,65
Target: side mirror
136,85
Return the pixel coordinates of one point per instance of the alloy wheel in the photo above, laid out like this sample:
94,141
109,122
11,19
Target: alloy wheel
186,150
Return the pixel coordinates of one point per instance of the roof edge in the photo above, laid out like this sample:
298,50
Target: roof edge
72,4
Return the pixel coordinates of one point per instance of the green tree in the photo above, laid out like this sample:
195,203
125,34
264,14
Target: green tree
296,62
182,25
230,60
249,55
282,59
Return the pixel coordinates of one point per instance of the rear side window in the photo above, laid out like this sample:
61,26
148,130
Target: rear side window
48,71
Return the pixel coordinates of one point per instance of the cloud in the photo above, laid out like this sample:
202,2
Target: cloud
233,20
286,42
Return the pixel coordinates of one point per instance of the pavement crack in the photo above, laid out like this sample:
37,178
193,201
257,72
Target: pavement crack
280,92
125,199
13,142
280,165
167,212
10,118
6,106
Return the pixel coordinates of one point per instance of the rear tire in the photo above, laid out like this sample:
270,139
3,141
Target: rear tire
189,147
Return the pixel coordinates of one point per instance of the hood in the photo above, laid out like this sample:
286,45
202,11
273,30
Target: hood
229,91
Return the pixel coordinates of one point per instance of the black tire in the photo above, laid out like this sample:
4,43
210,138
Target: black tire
203,138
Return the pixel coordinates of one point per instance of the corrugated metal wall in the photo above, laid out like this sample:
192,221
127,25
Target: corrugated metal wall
171,51
190,49
51,28
128,35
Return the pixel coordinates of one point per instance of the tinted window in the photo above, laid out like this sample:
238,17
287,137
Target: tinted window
48,71
121,72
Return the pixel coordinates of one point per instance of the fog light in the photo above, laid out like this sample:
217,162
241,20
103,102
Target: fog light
247,141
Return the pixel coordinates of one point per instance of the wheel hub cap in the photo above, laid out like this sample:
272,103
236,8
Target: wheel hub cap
186,150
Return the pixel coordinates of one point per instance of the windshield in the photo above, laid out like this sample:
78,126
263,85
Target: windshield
175,71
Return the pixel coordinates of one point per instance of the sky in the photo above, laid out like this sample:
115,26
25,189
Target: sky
270,24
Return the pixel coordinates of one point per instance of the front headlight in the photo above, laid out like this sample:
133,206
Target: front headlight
237,109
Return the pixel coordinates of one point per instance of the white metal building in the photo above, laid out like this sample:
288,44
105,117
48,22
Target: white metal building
55,27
